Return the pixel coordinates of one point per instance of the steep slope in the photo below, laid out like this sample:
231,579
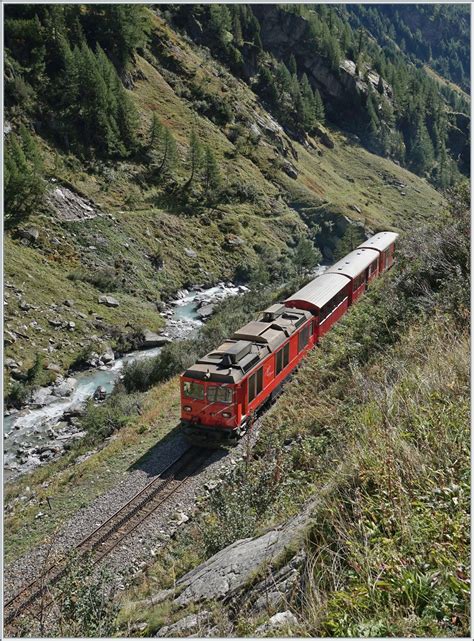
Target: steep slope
140,245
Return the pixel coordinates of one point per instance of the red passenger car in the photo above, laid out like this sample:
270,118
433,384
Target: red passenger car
384,244
226,387
360,267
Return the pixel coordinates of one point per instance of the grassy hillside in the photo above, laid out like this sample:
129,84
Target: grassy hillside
134,247
377,425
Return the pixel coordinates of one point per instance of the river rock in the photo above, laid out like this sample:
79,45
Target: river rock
100,393
150,339
42,396
205,311
74,411
65,388
109,301
108,356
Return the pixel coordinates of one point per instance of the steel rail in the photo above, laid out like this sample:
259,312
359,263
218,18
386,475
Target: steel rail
117,527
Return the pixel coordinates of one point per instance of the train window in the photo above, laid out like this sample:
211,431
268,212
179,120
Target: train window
194,390
255,384
219,394
282,358
357,282
331,305
303,337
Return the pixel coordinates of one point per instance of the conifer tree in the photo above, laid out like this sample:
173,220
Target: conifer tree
23,183
194,156
318,107
155,134
211,176
306,256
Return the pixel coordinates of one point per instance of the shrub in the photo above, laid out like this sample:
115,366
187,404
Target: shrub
100,421
17,395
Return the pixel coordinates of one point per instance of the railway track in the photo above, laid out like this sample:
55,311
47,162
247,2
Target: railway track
115,529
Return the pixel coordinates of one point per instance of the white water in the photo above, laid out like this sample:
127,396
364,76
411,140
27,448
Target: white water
29,427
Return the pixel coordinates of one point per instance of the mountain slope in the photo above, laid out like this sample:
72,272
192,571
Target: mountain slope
134,248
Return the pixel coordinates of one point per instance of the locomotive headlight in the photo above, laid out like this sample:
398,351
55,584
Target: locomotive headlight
226,414
187,408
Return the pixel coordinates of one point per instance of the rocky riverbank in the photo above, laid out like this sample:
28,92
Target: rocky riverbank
50,421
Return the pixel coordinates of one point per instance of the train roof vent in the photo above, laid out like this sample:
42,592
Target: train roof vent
272,312
237,351
248,362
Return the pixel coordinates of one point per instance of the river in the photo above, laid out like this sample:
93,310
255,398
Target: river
28,429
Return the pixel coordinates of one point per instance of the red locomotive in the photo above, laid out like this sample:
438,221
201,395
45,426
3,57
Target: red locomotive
226,387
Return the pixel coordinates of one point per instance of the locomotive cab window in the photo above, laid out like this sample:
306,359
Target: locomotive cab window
255,384
219,394
303,337
282,358
193,390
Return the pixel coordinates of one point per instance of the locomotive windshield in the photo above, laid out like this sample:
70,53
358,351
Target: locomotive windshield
219,394
194,390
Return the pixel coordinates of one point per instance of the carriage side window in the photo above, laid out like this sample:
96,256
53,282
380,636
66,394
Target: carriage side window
357,282
332,304
282,358
255,384
303,337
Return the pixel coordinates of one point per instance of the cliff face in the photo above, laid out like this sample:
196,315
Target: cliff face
344,91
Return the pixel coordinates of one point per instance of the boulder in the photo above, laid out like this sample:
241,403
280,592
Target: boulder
279,620
324,137
150,339
65,388
109,301
108,356
290,170
188,624
42,396
55,322
31,234
100,393
205,311
190,252
234,241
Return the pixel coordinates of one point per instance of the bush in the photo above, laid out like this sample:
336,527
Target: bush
100,421
105,280
17,395
176,357
237,507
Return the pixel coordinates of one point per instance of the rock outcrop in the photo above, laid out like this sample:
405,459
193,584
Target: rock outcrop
344,90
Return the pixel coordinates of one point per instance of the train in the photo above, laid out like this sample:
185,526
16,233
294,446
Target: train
223,392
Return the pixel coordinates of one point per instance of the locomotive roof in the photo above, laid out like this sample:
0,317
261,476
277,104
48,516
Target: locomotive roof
320,290
249,345
354,263
380,241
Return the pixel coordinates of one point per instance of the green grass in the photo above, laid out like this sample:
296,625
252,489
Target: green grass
72,485
378,419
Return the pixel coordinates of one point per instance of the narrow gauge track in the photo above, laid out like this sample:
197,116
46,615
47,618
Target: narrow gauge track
110,533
